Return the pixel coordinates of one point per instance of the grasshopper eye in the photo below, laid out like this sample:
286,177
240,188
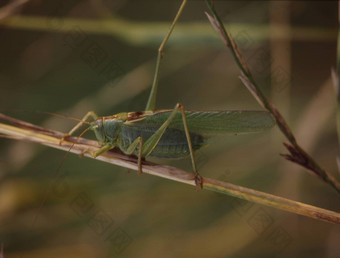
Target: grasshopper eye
94,127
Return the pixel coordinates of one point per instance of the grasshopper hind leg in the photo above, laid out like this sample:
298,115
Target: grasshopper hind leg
198,178
153,140
131,149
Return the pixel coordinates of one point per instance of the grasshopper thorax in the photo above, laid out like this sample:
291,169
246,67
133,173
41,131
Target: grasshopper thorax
106,130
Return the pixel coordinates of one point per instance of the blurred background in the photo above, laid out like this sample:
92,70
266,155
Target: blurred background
70,57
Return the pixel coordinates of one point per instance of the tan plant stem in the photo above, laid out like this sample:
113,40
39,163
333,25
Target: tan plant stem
29,132
296,153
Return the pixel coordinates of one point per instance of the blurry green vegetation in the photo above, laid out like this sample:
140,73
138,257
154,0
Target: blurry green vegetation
46,70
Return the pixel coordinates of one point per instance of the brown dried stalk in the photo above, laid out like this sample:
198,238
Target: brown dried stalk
296,153
33,133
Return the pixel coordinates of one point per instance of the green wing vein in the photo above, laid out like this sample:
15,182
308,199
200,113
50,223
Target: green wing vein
214,122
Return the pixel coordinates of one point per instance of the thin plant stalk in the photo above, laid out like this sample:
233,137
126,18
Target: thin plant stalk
32,133
296,153
335,77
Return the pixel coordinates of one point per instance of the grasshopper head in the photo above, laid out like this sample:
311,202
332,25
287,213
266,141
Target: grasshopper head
106,130
97,127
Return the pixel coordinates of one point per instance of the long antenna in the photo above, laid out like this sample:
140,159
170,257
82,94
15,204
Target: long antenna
53,180
63,116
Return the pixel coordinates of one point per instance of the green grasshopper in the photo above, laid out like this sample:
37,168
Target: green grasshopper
175,133
170,133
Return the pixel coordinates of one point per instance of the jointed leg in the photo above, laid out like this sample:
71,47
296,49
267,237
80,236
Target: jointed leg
103,149
77,126
198,178
131,149
83,120
152,97
97,153
151,143
153,140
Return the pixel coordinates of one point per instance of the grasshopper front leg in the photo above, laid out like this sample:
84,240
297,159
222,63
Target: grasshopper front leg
83,120
103,149
77,126
97,153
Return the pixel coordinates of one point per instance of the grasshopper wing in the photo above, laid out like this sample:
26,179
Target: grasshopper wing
214,122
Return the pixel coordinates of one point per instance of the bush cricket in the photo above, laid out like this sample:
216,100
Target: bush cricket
175,133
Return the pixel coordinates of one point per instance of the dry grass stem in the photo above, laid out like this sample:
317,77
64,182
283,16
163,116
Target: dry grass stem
29,132
296,153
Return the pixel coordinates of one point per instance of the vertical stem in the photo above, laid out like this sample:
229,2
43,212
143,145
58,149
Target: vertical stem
298,155
280,55
336,80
